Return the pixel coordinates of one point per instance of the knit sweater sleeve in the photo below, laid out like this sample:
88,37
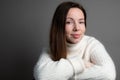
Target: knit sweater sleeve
47,69
103,68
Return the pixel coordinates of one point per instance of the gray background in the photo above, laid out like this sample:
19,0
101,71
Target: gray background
24,30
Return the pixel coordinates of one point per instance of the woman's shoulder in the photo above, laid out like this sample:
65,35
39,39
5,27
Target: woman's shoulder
91,40
44,53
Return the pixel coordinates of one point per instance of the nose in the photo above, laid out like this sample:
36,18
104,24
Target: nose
76,27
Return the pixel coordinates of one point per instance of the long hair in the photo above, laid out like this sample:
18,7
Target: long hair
57,32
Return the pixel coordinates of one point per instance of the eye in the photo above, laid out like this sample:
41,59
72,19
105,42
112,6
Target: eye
69,22
82,22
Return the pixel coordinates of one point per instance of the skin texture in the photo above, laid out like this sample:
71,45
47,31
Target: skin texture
75,28
75,25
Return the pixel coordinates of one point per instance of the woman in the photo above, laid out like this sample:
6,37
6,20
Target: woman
73,55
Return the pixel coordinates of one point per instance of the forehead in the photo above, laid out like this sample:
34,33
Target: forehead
75,12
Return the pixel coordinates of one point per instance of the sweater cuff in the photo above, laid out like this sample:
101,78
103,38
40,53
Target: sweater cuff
77,64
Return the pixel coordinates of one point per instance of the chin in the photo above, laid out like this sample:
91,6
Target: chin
75,41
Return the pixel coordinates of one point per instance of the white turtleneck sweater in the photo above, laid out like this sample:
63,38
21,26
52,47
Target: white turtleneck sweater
73,68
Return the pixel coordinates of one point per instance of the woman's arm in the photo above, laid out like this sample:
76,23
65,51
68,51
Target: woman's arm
47,69
100,66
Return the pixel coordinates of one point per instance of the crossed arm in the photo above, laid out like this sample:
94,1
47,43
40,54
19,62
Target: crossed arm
100,67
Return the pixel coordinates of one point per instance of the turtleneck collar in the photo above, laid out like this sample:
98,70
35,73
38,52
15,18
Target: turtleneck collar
74,47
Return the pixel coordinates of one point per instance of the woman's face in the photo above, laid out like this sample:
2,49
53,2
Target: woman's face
75,25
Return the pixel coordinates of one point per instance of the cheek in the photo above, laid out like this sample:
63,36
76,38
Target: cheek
68,30
83,29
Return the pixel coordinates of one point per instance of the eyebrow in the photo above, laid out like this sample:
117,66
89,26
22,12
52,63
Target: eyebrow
72,18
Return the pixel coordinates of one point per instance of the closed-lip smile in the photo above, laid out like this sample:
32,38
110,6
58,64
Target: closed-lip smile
76,36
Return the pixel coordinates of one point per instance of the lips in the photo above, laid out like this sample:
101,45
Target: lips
76,36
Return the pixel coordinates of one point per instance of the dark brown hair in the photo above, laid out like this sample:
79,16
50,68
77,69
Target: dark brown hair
57,33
